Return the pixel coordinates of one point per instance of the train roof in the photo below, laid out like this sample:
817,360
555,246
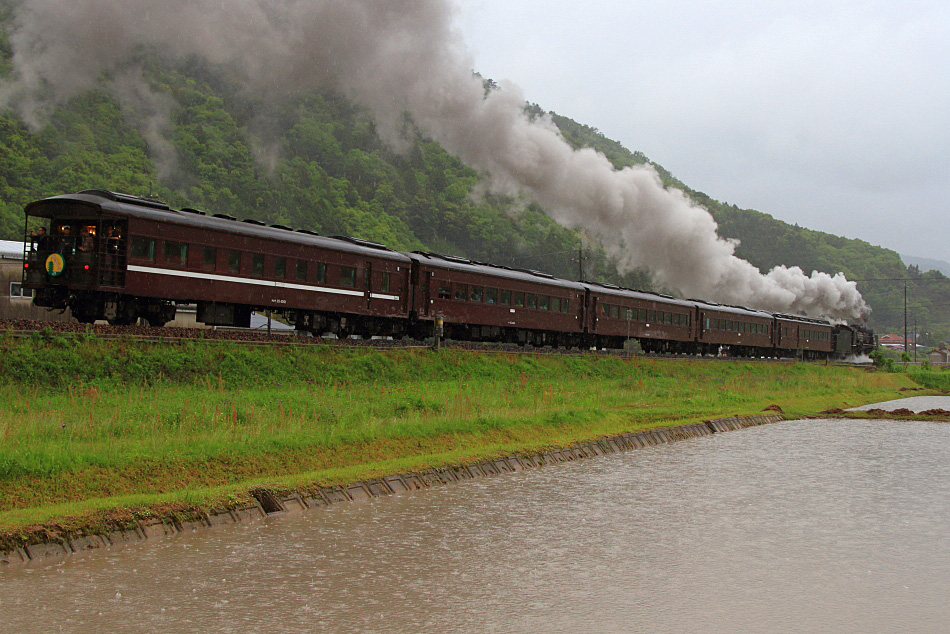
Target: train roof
649,296
733,310
148,209
455,263
802,319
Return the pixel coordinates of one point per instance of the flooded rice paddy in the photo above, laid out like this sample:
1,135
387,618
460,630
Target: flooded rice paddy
805,526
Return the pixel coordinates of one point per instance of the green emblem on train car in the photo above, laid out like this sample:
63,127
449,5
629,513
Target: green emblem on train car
55,264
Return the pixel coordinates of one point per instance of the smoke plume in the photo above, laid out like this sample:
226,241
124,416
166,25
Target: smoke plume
398,56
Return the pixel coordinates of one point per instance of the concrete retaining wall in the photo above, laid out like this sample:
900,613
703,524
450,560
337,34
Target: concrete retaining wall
266,503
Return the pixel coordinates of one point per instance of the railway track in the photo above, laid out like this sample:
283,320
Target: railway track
23,328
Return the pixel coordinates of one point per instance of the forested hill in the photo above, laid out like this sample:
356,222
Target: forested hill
324,168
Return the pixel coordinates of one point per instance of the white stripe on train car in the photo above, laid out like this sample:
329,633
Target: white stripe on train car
243,280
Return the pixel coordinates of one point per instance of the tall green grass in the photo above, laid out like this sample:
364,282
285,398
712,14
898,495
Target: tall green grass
84,419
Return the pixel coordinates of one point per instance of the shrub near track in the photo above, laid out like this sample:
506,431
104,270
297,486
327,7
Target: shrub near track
90,424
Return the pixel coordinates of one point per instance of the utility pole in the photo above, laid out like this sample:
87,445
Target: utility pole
905,316
580,262
915,340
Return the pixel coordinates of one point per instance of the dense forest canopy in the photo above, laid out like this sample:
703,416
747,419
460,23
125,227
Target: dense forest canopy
331,173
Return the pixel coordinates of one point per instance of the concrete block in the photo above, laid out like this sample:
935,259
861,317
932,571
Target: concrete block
413,481
219,518
249,512
358,491
461,474
447,476
514,463
293,502
335,495
156,529
430,477
118,538
190,527
49,549
88,542
13,557
378,488
396,484
315,500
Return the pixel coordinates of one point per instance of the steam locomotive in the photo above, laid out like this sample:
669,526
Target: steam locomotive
121,258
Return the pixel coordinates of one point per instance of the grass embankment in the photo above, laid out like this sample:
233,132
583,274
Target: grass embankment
90,429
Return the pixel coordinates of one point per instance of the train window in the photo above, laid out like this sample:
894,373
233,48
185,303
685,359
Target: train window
504,297
176,253
445,290
708,324
461,291
556,304
385,284
367,278
615,311
321,272
347,276
257,264
280,267
234,261
564,306
676,319
142,248
642,314
210,257
301,270
477,292
532,300
544,302
519,298
653,315
491,295
605,310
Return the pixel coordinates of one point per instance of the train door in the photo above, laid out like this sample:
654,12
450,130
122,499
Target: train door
368,284
425,290
592,315
112,251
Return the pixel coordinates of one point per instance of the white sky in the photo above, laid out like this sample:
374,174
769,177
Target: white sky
830,114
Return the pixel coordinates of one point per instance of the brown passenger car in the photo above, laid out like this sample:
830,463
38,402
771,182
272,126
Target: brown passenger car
660,322
804,336
734,329
492,303
156,257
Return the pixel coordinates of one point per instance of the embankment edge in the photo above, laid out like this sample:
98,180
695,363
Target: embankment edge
266,503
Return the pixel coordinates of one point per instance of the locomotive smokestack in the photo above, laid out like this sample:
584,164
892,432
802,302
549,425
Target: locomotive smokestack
398,56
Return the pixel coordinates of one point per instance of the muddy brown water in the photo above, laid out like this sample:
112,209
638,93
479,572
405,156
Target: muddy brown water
802,526
913,403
